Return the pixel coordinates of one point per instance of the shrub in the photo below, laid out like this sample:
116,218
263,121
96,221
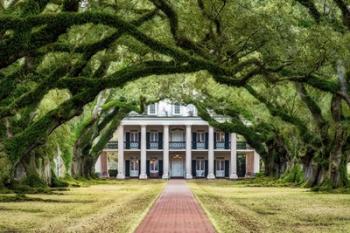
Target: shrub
113,172
294,175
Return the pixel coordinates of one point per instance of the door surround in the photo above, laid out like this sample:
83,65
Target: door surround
177,166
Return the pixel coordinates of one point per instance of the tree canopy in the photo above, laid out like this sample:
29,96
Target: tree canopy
279,70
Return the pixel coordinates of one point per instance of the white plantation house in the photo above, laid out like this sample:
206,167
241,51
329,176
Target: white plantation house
170,140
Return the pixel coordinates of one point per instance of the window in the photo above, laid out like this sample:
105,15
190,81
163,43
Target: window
134,136
200,165
134,165
220,165
177,109
200,137
153,136
153,165
220,137
152,109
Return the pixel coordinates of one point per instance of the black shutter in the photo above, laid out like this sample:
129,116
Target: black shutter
227,139
206,168
139,140
206,140
194,140
160,168
160,140
148,140
215,167
139,166
127,168
148,168
227,168
127,140
194,168
214,140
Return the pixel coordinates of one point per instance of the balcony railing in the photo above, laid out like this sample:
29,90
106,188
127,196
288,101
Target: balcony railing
243,146
112,145
177,145
132,145
200,145
154,145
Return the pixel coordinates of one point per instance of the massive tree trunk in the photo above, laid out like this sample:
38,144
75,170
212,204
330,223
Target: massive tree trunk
276,163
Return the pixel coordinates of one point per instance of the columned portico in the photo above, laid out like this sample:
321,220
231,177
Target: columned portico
121,169
143,174
211,174
188,152
166,151
233,157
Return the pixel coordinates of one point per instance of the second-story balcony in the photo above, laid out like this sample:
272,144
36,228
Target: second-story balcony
112,145
133,145
177,145
199,145
243,146
154,145
222,145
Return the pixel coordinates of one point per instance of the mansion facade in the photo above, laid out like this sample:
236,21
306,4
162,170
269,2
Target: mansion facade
171,141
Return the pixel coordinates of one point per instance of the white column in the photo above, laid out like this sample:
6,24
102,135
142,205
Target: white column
166,152
143,174
233,158
256,162
121,169
211,174
188,152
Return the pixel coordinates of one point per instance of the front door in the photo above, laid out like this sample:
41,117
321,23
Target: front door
134,168
200,168
177,169
220,168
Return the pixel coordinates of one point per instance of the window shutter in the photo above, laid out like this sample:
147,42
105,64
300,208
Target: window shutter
214,140
215,167
206,140
148,140
127,168
139,140
194,140
127,140
160,168
206,168
227,138
148,168
194,168
227,168
160,140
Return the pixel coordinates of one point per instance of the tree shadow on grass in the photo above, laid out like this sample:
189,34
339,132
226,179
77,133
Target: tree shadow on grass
24,198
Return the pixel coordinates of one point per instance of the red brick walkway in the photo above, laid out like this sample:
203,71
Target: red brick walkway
176,211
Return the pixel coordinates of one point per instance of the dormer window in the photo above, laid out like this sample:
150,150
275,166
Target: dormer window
177,109
152,109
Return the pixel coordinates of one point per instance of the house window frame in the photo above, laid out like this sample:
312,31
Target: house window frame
220,136
134,136
201,136
200,165
153,136
220,165
154,165
175,108
150,108
134,165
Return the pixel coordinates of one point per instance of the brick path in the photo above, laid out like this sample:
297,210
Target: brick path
176,211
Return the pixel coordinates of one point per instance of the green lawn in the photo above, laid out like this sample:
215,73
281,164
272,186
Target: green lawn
238,207
110,206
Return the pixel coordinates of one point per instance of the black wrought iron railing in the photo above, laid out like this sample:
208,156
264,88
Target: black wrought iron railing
112,145
243,146
154,145
201,145
177,145
220,145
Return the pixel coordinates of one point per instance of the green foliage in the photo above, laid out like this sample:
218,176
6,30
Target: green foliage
294,175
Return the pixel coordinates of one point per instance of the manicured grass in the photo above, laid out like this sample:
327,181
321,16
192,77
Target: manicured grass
241,207
108,206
